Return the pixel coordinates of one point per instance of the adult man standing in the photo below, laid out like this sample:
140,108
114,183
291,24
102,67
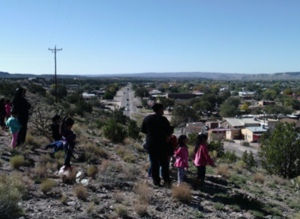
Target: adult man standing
156,127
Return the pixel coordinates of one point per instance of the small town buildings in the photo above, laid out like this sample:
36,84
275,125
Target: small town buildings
266,103
246,94
251,134
223,133
239,123
195,127
181,96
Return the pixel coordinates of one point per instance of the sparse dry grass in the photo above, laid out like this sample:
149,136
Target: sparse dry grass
1,163
92,171
47,185
125,154
90,208
144,193
81,192
223,171
138,147
59,155
71,178
77,129
146,166
30,140
258,178
182,193
280,181
105,164
141,209
239,166
63,199
17,161
119,197
45,158
40,171
122,211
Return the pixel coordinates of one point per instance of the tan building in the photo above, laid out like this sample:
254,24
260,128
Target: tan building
238,123
253,133
219,134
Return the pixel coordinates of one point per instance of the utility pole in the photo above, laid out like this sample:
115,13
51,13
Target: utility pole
55,78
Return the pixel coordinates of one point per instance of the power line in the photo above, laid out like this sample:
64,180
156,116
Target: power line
55,78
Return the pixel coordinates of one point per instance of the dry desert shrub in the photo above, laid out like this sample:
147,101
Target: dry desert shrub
146,166
9,199
239,166
92,171
258,178
17,161
128,141
81,192
1,163
42,141
30,140
59,154
182,193
122,211
77,129
223,171
52,165
125,154
104,165
71,177
45,158
119,197
63,199
47,185
144,193
138,147
90,208
141,209
40,171
17,181
280,181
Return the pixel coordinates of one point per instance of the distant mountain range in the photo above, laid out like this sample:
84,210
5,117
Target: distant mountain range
206,75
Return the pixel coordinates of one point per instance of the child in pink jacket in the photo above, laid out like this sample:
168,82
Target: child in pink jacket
201,158
182,156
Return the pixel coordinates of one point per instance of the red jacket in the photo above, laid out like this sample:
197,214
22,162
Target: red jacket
201,157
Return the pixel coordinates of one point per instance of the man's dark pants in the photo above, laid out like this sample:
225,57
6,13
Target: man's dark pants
158,159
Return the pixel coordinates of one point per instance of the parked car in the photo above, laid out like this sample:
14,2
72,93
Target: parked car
139,106
126,108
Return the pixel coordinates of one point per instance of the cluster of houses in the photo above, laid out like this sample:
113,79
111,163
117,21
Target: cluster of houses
248,128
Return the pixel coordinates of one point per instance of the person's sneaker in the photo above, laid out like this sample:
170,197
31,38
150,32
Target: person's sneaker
149,176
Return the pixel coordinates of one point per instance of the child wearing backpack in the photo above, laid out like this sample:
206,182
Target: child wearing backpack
201,158
182,156
14,127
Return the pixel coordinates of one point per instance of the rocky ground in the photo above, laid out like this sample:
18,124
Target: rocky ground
120,188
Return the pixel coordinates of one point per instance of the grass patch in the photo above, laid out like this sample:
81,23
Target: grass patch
144,193
258,178
17,161
122,211
198,214
182,193
92,171
59,155
141,209
81,192
47,185
218,206
223,171
125,154
237,180
257,214
40,171
90,208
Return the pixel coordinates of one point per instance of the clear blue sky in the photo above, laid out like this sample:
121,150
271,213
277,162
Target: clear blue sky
133,36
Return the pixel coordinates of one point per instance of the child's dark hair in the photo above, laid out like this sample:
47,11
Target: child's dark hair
2,101
56,117
7,101
181,138
67,121
200,138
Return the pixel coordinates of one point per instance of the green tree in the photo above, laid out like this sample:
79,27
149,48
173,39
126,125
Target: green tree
37,89
82,107
167,102
8,89
217,146
114,131
61,90
288,92
108,96
183,113
141,92
248,159
270,94
133,130
280,151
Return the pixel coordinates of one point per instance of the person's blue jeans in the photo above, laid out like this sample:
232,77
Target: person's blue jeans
150,167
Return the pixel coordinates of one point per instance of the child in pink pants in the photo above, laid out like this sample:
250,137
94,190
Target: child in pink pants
14,127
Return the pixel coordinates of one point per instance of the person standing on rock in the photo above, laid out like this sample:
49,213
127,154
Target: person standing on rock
156,128
20,104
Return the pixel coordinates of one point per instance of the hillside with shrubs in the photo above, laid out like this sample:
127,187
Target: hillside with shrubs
109,179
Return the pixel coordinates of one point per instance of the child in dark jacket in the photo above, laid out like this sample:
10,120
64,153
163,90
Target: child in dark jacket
201,158
55,127
69,137
2,113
